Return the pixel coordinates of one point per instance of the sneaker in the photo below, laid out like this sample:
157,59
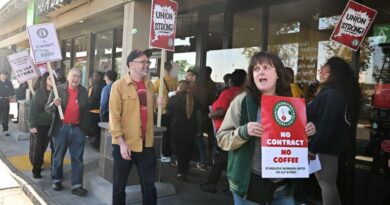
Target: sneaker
57,186
165,159
174,163
201,166
79,191
6,133
37,175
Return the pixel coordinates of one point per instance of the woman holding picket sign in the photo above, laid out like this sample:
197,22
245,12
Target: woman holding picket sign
39,122
241,133
335,111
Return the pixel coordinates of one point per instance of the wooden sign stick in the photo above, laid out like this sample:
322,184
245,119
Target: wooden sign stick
30,87
341,50
160,90
55,89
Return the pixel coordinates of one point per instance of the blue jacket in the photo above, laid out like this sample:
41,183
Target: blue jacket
327,112
104,99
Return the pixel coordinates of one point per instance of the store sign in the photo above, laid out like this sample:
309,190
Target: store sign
163,24
284,142
353,25
22,66
382,32
47,6
44,43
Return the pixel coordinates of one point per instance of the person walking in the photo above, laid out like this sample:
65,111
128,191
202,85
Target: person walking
69,132
181,109
200,95
39,122
335,111
6,92
131,125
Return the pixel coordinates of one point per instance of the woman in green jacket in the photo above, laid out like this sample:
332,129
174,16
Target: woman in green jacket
241,131
39,122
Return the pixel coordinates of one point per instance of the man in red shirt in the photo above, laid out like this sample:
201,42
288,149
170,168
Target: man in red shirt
69,132
219,108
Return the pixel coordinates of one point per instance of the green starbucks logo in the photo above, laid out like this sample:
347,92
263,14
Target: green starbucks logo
355,42
284,114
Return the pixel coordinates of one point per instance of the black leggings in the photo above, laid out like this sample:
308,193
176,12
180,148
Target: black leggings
183,151
38,146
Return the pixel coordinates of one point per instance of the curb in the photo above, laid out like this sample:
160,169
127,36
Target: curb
36,195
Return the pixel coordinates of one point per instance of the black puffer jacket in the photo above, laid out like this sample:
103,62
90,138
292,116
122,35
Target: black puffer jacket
328,112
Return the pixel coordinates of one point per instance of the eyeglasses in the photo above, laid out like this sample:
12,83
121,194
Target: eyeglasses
143,62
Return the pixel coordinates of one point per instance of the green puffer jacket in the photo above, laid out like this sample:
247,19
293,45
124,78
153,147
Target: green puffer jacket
240,145
36,113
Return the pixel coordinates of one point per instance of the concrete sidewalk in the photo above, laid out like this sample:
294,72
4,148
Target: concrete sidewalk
15,155
11,192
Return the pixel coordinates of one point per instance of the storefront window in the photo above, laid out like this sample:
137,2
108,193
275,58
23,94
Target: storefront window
81,57
118,48
302,39
103,51
66,61
374,78
247,29
214,39
227,60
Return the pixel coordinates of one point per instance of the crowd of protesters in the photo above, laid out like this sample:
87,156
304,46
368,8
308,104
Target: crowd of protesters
196,112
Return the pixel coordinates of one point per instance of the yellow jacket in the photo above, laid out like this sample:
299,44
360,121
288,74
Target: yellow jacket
172,86
125,116
296,91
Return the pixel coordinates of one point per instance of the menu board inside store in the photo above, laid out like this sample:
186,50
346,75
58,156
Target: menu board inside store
307,63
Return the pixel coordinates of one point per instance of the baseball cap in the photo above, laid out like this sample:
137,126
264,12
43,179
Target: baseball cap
136,53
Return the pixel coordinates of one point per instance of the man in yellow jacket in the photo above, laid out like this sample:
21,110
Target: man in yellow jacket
131,125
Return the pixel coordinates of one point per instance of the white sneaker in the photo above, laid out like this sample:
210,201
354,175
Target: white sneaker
165,159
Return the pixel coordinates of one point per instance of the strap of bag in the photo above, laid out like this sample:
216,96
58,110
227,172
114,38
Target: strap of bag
166,85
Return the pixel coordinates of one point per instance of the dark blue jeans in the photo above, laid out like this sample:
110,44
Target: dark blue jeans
146,164
74,138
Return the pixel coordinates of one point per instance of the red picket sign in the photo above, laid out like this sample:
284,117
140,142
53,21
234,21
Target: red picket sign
284,142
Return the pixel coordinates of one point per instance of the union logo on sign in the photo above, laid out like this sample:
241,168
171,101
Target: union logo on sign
42,33
284,114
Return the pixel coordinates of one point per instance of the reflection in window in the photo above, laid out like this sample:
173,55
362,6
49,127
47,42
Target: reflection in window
288,53
286,28
118,48
81,57
182,42
247,29
103,51
66,62
328,22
